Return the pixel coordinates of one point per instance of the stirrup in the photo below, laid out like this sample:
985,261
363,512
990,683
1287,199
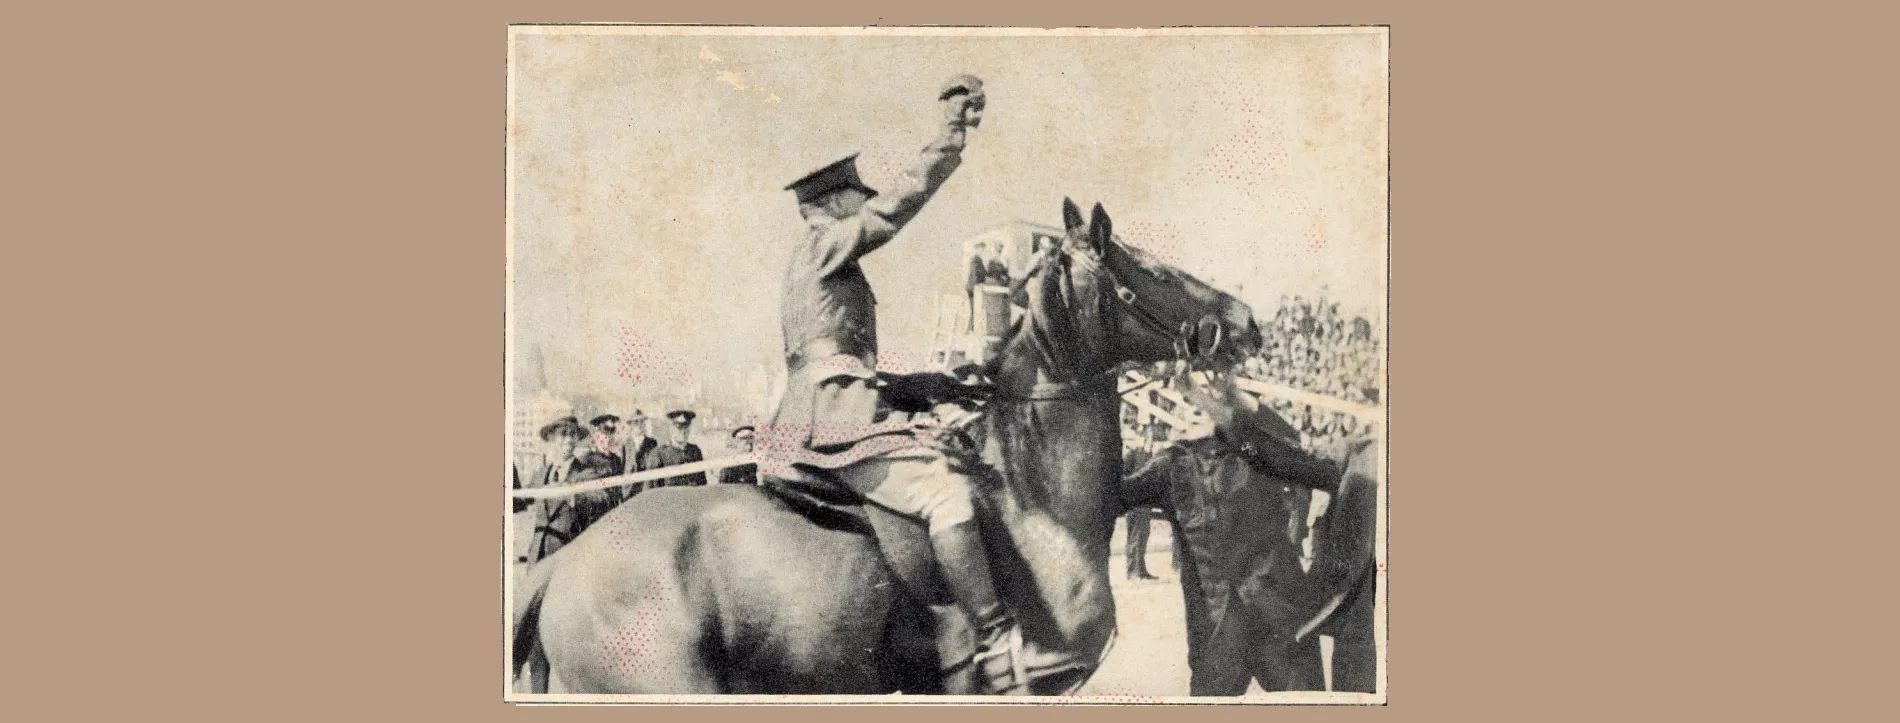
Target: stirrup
1013,681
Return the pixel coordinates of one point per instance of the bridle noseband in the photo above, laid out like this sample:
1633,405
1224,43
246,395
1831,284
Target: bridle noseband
1183,336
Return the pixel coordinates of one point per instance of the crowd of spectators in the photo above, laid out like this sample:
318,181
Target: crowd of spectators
608,446
1309,345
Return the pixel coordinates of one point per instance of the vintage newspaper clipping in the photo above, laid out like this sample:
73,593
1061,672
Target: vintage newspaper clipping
971,365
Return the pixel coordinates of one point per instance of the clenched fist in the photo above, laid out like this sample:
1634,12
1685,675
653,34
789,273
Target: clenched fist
963,100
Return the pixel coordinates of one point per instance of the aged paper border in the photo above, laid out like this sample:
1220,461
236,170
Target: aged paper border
1380,611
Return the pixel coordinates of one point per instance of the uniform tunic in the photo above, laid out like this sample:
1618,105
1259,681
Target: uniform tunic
830,315
667,455
1246,596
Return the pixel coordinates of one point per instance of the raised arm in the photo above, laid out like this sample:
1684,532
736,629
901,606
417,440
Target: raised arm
1279,457
1264,438
962,103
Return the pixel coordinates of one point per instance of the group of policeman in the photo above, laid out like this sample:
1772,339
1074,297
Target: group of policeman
576,453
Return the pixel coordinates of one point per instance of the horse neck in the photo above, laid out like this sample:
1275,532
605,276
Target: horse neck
1059,460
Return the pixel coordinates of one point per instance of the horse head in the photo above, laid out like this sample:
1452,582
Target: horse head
1092,305
1095,303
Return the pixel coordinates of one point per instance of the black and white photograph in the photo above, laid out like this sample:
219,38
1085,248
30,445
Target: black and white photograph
945,365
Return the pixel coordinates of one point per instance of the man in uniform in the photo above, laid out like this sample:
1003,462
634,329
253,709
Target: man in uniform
606,440
677,451
831,402
1152,436
1250,605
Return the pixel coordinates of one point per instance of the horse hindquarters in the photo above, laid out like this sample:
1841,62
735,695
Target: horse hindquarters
620,615
711,590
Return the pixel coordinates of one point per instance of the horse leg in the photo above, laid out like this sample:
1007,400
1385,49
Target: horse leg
538,676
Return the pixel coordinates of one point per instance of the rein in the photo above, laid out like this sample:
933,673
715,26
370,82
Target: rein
1049,391
1071,388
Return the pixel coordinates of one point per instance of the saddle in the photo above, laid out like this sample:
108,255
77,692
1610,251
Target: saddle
903,541
811,485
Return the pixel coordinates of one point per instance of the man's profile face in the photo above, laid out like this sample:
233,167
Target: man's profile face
744,440
847,202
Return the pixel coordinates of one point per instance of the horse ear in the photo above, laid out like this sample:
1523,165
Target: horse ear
1101,230
1071,217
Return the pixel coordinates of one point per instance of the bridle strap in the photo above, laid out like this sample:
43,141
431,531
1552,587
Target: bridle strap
1049,391
1052,390
1179,335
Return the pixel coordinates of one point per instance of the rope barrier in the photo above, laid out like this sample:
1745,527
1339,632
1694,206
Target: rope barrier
713,465
1302,396
595,485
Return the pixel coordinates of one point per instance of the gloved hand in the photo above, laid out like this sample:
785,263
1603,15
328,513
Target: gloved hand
922,392
963,100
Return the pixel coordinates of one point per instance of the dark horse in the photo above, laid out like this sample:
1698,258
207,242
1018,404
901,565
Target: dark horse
1253,613
730,589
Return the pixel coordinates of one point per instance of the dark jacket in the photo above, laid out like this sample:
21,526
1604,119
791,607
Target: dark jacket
667,455
745,474
558,520
1272,445
634,459
827,309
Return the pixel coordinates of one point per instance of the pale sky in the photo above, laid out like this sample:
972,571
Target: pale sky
650,229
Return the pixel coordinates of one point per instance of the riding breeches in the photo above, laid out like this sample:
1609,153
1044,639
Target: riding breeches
926,487
922,486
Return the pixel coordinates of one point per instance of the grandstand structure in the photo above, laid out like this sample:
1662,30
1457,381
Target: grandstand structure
969,329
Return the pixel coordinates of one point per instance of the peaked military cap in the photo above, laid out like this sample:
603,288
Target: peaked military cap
680,416
840,174
603,419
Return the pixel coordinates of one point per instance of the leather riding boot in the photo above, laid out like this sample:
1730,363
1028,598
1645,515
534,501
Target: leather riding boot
966,569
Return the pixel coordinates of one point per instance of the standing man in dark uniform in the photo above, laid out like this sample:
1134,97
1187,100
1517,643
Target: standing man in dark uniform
606,440
1252,611
1139,517
831,401
677,451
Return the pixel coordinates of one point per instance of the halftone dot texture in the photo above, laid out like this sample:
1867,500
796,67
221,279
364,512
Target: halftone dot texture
602,441
1252,160
895,362
639,359
1161,239
780,446
632,650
